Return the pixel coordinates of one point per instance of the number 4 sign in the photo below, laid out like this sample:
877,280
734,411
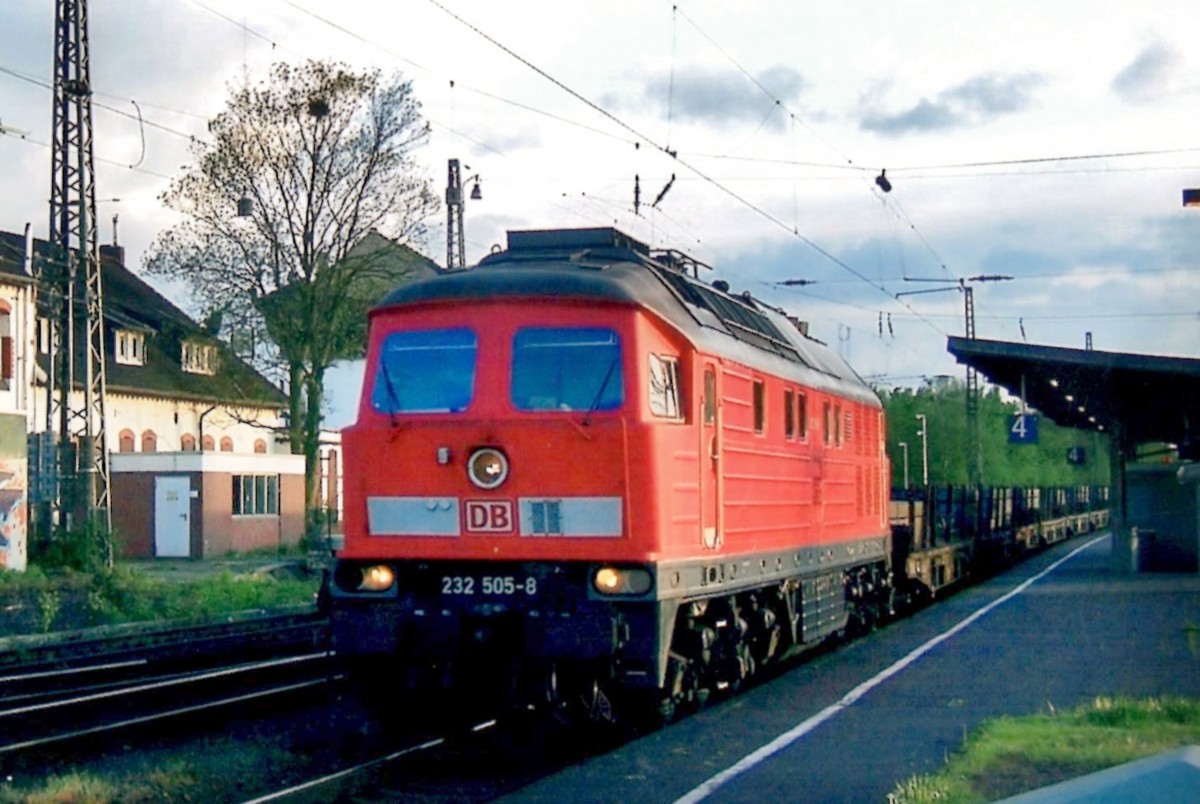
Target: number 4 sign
1023,429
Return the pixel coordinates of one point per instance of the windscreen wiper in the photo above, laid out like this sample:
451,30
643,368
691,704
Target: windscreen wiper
393,397
600,393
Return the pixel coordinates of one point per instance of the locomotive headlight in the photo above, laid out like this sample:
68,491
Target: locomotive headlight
622,581
377,578
487,468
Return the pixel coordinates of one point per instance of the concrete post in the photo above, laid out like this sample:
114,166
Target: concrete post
1124,551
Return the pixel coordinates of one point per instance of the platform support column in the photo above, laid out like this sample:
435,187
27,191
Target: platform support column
1124,551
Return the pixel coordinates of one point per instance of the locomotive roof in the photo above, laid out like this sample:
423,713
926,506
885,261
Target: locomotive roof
607,265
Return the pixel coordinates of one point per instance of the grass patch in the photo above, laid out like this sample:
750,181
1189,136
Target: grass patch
38,602
125,595
157,775
1007,755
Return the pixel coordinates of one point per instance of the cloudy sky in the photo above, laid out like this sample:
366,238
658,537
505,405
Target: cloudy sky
1047,141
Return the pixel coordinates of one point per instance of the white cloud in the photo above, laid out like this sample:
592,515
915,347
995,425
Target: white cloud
966,83
1152,74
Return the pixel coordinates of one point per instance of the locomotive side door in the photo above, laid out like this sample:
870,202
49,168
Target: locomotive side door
710,458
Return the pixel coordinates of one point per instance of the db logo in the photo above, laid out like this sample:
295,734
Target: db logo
489,516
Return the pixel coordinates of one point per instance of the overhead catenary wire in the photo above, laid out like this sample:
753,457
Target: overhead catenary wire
798,121
779,103
120,112
754,80
961,165
695,170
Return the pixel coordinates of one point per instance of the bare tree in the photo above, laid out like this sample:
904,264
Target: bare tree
299,169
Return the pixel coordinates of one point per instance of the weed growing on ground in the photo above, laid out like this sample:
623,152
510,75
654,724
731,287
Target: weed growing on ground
49,603
175,782
197,771
1008,755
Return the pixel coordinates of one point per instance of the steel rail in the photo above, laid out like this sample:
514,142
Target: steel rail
368,765
54,738
163,684
106,641
92,668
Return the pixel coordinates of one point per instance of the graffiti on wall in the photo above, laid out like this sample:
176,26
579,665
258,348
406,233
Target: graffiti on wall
13,518
14,485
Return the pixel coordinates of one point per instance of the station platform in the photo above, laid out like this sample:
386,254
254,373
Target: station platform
1057,630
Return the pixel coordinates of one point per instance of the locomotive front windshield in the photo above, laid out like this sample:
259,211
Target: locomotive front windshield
425,371
567,368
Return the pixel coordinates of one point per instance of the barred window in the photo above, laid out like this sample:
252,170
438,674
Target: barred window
199,358
255,495
131,347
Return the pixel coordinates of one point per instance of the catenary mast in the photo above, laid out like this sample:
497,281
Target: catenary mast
71,287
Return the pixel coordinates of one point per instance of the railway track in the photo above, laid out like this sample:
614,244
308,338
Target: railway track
73,686
166,689
265,630
164,717
479,761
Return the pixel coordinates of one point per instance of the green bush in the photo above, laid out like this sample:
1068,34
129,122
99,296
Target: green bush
66,599
80,549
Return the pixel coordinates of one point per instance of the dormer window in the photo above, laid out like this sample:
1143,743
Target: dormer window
131,347
199,358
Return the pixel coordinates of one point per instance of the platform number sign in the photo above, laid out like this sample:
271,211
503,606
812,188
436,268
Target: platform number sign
1023,428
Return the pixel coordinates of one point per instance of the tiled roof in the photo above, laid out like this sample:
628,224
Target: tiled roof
131,303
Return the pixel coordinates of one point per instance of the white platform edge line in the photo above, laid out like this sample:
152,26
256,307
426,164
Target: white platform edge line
784,740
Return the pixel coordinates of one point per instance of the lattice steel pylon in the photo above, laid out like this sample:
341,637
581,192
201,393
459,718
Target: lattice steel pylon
71,283
974,446
455,246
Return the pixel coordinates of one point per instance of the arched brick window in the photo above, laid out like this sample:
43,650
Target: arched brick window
207,444
149,441
260,445
188,443
125,441
226,444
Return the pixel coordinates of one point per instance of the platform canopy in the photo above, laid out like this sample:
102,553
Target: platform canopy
1144,397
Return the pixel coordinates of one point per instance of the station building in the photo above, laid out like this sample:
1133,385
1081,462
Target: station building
199,466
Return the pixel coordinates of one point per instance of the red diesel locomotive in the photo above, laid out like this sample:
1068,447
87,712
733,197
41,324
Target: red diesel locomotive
579,474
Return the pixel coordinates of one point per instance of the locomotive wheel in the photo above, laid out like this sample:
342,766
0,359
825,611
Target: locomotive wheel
683,691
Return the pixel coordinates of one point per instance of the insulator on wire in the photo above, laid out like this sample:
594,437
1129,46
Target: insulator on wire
662,194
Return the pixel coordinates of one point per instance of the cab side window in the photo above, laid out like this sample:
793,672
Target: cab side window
665,387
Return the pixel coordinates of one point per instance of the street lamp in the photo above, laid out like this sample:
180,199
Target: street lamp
455,246
904,446
924,434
